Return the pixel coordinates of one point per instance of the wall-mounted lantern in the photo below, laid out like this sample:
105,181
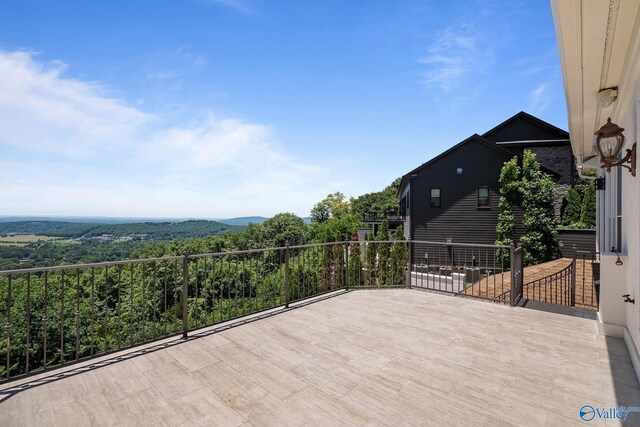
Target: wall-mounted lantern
608,143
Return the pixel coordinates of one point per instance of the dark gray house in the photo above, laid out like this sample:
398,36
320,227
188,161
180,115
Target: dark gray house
454,196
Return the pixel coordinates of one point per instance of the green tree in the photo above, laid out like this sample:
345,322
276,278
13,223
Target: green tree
588,210
538,194
355,262
573,207
371,260
535,192
384,251
332,215
284,228
509,197
332,206
379,203
399,258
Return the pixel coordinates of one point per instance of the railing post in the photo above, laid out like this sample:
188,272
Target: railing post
346,265
573,278
185,295
514,277
408,278
286,275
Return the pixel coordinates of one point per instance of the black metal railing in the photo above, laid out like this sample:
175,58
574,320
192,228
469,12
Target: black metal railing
474,270
587,282
54,316
575,285
556,288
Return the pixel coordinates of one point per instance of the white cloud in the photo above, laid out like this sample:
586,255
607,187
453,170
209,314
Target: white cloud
453,54
39,109
211,167
540,98
239,5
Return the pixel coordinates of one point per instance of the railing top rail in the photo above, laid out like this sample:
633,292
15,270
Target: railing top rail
277,248
87,265
467,245
557,273
578,251
231,253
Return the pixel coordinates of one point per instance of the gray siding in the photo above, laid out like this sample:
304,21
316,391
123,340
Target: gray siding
458,218
584,240
524,127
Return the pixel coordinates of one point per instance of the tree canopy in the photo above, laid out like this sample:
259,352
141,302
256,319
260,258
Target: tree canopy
377,204
534,191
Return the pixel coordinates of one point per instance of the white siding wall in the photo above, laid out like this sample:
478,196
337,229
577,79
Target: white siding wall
631,222
625,279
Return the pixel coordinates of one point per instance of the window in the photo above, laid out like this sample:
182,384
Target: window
435,197
613,208
483,197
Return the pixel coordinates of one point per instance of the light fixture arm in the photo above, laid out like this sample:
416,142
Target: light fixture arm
630,158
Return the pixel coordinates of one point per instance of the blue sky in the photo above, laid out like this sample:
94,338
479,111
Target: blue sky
222,108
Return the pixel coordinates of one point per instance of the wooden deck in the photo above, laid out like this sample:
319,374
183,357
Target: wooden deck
493,286
369,357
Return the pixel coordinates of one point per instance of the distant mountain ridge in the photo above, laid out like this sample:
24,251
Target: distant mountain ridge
243,220
151,230
60,222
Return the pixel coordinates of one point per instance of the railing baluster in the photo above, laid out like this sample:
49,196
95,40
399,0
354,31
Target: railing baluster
119,307
185,295
164,313
62,316
77,313
154,300
45,319
28,313
235,287
143,311
205,290
93,311
197,303
7,327
213,286
106,308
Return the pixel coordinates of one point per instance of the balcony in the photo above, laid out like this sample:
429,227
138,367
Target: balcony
347,347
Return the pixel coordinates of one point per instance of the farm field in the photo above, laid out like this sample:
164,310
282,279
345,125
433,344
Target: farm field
24,239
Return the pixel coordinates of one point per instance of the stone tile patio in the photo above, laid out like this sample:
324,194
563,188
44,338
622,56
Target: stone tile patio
375,357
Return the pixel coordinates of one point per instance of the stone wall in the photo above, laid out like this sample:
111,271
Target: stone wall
558,159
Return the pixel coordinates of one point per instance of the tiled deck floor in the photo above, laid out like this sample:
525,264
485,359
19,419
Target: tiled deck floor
386,357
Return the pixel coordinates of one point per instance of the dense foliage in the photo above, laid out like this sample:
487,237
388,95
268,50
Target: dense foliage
538,194
378,204
509,196
588,211
580,206
331,216
572,209
534,191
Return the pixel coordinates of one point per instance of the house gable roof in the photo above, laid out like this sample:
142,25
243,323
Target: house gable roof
475,137
525,127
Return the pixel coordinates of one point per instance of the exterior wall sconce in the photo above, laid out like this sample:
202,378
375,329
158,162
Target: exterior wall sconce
608,144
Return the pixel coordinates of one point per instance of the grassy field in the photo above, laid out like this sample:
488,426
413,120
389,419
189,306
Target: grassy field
24,239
